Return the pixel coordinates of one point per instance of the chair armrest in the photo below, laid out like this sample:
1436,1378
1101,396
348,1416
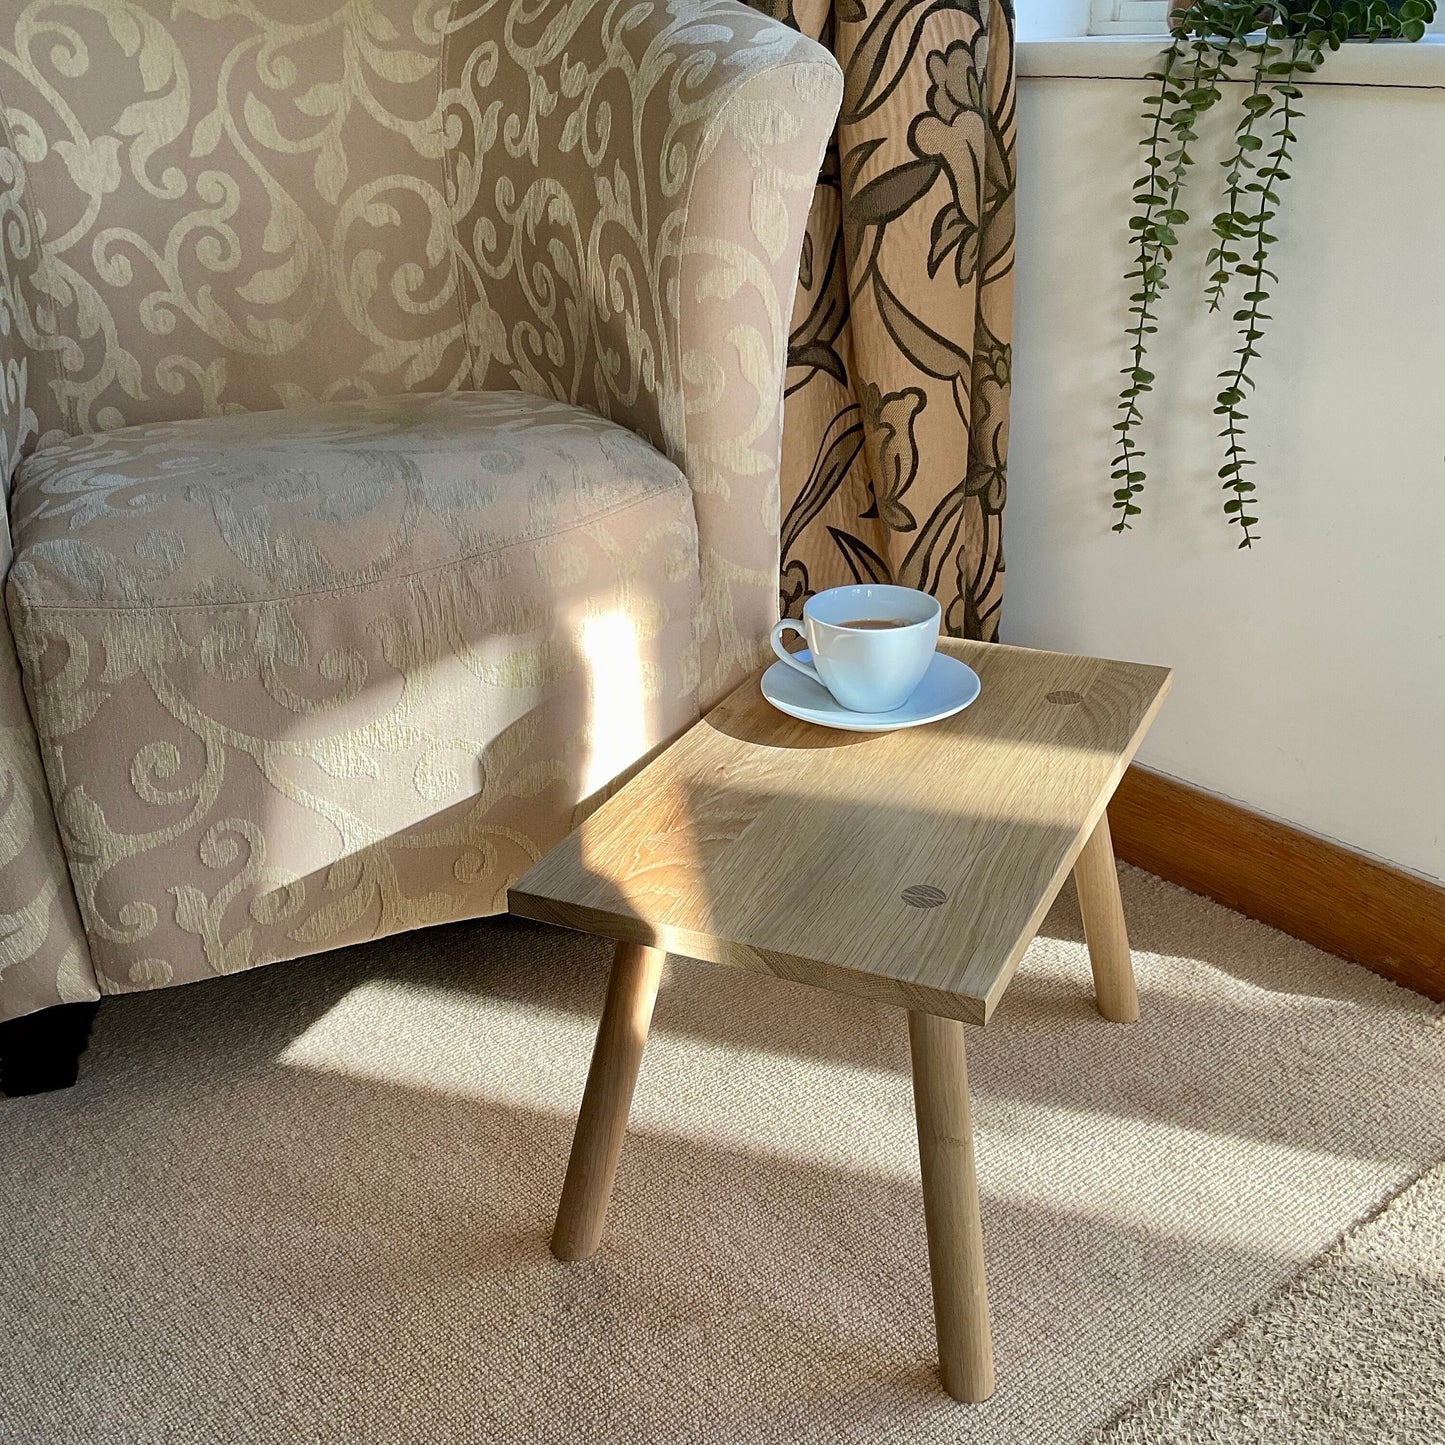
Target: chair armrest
44,958
632,200
17,253
44,955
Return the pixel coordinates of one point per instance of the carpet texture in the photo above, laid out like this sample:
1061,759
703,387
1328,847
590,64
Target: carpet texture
311,1204
1352,1351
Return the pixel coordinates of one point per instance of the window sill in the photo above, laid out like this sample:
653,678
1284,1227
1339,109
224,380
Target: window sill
1114,57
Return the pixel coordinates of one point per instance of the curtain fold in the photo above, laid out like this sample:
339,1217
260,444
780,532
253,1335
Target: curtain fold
895,442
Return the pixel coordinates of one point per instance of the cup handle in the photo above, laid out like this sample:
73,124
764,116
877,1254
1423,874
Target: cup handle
806,668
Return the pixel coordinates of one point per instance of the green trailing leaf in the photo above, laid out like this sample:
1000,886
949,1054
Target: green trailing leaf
1281,41
1169,113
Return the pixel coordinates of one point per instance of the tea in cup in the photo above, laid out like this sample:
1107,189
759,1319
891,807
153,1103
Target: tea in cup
871,643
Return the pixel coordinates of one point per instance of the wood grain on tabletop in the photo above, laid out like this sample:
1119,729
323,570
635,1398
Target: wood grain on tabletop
911,867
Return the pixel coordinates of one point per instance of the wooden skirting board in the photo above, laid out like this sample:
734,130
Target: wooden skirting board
1391,921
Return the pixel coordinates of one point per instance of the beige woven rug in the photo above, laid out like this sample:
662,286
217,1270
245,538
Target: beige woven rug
1352,1351
312,1203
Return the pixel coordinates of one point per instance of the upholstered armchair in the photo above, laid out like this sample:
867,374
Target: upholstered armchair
390,405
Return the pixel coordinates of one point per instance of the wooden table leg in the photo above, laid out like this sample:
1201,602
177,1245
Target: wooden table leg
950,1206
1096,877
607,1100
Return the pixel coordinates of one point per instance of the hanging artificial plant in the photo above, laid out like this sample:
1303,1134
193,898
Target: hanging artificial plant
1268,46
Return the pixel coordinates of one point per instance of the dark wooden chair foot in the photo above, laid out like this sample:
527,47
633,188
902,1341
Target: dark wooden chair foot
41,1052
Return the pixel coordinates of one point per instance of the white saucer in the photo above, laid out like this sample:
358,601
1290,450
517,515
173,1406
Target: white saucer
947,687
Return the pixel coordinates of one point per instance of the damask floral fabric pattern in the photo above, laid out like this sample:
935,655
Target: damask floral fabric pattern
247,204
265,507
241,204
360,662
659,294
44,956
215,208
896,440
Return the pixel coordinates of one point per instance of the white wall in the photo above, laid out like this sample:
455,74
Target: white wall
1310,672
1051,19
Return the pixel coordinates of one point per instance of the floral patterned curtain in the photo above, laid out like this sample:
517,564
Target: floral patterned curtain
896,433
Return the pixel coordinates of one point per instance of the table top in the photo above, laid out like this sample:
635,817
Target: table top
910,867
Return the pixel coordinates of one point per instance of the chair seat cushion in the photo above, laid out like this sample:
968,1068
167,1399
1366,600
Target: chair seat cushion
274,505
303,678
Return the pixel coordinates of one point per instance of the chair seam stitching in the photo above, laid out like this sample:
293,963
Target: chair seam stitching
29,604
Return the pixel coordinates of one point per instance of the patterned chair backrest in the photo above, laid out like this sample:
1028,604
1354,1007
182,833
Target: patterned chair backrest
211,206
227,204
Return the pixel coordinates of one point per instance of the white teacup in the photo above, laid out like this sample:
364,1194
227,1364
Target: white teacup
867,668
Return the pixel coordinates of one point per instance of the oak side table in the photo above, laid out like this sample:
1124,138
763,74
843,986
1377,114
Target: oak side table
912,868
